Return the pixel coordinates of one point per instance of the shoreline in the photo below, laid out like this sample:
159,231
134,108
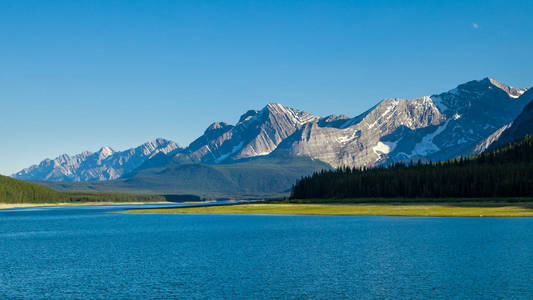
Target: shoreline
456,209
27,205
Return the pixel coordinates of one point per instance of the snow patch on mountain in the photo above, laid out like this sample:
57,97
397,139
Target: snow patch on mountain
383,148
233,151
426,145
350,135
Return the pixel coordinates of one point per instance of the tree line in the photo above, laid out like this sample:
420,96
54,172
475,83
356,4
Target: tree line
19,191
503,172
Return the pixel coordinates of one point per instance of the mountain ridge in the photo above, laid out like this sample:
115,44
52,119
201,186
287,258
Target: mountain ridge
104,164
436,127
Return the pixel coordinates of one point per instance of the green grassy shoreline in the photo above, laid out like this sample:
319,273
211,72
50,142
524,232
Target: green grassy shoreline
422,209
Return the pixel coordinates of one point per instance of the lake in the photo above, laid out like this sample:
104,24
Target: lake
89,252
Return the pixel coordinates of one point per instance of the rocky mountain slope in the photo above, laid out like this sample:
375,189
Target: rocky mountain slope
522,126
436,127
105,164
257,133
472,111
516,130
357,142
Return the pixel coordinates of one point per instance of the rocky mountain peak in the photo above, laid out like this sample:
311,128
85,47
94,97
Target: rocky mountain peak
156,146
248,115
479,97
273,106
477,88
161,141
511,91
216,126
105,152
412,113
290,115
105,164
66,157
257,133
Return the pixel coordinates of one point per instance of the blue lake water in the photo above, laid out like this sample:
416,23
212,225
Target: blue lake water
88,252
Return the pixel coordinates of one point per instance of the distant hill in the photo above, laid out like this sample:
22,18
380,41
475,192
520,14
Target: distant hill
264,177
503,172
19,191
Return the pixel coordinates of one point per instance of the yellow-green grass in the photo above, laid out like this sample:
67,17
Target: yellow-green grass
486,209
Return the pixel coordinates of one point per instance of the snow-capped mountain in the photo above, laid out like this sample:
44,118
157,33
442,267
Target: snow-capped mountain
438,127
105,164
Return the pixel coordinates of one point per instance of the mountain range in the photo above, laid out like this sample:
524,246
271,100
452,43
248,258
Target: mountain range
104,164
465,120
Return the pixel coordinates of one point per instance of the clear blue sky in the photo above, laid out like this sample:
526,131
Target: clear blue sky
77,75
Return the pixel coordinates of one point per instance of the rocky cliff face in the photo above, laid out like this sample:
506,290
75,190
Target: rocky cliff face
434,127
105,164
257,133
472,112
516,130
357,141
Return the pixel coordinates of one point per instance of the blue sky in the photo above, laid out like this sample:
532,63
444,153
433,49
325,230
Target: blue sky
77,75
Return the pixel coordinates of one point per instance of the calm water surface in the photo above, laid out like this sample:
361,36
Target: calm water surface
88,252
